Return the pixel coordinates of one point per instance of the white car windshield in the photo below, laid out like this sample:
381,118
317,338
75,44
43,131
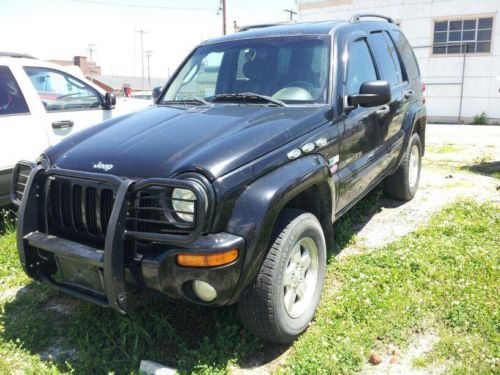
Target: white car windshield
291,70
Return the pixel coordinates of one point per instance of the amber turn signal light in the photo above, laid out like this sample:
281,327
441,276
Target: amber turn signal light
207,260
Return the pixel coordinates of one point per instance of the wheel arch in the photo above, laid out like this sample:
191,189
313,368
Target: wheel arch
301,184
415,121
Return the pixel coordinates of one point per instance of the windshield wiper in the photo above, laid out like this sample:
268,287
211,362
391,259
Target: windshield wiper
192,100
247,96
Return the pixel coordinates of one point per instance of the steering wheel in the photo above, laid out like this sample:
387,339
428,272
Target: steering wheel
303,84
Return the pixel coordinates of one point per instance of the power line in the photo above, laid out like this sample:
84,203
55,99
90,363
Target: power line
148,55
142,32
222,10
91,50
127,5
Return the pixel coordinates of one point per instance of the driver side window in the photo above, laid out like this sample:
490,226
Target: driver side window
360,68
61,92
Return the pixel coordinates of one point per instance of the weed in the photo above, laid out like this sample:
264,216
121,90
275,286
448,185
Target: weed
480,119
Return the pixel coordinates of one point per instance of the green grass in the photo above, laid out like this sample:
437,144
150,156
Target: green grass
441,278
443,149
35,319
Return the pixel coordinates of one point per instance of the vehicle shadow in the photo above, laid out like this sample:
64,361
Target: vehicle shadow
484,168
352,222
69,333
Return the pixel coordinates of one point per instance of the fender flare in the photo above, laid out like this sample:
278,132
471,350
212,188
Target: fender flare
256,210
409,122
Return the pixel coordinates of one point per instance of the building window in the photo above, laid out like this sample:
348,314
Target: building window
459,36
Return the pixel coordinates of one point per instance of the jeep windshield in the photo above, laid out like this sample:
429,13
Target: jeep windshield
269,71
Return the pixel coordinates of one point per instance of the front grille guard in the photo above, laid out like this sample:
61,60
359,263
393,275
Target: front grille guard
32,219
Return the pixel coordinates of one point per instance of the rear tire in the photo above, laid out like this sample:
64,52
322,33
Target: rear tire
281,302
403,184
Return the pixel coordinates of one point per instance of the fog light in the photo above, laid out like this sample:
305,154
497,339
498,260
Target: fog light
204,291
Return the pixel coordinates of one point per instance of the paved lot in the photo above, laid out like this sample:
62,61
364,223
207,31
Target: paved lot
471,135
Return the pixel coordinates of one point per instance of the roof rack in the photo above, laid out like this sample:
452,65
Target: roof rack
259,26
357,17
16,54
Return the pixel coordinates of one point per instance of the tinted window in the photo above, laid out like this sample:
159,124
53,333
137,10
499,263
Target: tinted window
360,68
11,99
61,92
406,53
387,58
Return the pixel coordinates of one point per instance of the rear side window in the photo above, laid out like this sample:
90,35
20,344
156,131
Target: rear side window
387,57
360,68
11,99
407,55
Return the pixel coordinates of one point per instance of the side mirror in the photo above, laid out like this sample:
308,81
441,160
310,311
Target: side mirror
371,94
157,92
109,100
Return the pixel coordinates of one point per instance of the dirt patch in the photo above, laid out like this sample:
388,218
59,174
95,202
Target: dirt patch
11,293
61,305
395,362
55,353
267,362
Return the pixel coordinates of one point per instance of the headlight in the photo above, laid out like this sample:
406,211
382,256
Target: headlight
184,200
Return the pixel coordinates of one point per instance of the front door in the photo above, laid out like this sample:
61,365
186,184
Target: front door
71,105
361,147
21,134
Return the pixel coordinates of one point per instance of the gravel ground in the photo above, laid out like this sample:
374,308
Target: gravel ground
442,181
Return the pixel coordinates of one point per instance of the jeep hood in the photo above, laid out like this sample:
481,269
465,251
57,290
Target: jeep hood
163,141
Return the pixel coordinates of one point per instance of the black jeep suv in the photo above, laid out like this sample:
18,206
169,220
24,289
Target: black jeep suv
226,189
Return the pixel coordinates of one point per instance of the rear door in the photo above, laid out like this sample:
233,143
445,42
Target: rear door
70,104
389,66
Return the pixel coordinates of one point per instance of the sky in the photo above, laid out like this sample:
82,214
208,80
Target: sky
61,29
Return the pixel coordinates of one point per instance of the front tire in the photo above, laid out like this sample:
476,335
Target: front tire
403,184
281,302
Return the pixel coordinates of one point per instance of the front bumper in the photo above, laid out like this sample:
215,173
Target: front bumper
117,275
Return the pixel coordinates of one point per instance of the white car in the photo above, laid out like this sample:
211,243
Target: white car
42,103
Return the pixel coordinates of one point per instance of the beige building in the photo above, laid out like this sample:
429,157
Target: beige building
457,44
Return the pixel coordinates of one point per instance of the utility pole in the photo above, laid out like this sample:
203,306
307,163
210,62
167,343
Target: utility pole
142,32
91,49
222,9
292,13
148,55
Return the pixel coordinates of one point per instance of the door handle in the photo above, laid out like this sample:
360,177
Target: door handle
64,124
382,111
408,94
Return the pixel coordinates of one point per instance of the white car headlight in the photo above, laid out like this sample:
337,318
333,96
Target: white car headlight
184,200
